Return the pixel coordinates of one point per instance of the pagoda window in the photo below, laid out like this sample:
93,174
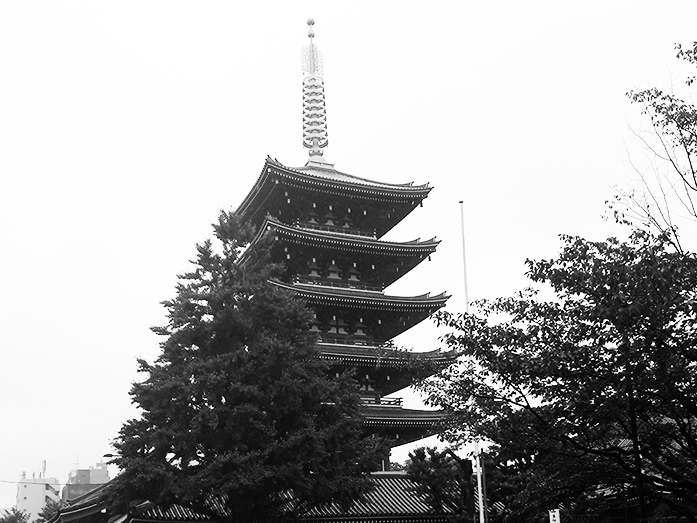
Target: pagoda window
314,269
359,328
315,324
333,271
353,273
341,327
329,217
338,326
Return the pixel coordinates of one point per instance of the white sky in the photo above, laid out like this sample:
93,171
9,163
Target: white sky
126,126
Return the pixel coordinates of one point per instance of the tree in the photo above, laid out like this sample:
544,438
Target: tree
444,478
594,392
51,508
239,417
667,175
14,516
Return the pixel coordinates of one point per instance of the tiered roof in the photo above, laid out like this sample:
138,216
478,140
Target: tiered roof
276,179
394,498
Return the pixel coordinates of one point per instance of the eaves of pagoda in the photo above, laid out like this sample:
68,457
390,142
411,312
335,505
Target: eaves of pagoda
395,417
325,181
320,294
399,425
395,258
376,357
311,237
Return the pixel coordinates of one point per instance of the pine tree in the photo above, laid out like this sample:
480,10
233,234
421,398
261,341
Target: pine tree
240,419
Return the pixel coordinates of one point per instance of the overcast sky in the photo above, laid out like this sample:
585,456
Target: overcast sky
126,126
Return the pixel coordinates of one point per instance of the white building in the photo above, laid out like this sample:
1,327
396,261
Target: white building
33,493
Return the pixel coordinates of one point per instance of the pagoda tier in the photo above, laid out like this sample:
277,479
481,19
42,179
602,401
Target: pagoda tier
341,260
399,425
359,317
322,198
325,228
382,371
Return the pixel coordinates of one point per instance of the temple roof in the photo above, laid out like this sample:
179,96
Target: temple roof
394,499
362,355
321,294
327,181
331,175
394,417
348,241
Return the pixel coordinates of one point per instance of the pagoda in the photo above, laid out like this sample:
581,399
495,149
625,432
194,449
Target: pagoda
327,228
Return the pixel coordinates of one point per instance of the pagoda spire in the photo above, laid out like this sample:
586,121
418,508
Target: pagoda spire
315,136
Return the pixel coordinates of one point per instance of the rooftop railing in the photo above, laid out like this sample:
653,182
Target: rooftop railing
340,284
383,402
337,228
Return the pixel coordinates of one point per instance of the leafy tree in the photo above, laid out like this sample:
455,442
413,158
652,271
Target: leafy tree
445,479
592,394
51,508
14,516
240,419
667,175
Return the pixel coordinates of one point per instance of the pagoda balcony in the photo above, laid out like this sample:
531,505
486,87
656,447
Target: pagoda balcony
324,282
336,229
383,402
348,339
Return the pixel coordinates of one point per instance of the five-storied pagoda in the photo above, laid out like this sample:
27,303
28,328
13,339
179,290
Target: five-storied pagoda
327,226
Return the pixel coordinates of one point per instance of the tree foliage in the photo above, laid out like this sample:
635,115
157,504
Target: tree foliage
667,183
593,393
238,412
51,508
444,478
14,516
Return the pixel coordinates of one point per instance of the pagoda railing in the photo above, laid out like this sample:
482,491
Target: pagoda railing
383,402
347,339
337,228
339,284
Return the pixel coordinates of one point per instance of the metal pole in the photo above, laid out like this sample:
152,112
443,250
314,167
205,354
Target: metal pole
464,256
478,460
480,483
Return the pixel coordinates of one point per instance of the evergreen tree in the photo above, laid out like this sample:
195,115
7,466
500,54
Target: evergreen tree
240,419
51,508
14,516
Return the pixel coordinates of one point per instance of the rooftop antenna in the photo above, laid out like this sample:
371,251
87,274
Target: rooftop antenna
315,136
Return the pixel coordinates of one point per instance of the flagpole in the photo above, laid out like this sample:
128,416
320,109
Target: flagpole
477,455
464,256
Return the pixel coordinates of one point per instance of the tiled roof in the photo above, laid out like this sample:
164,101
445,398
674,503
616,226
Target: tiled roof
367,298
151,512
395,496
344,240
385,356
393,499
394,417
332,174
332,181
